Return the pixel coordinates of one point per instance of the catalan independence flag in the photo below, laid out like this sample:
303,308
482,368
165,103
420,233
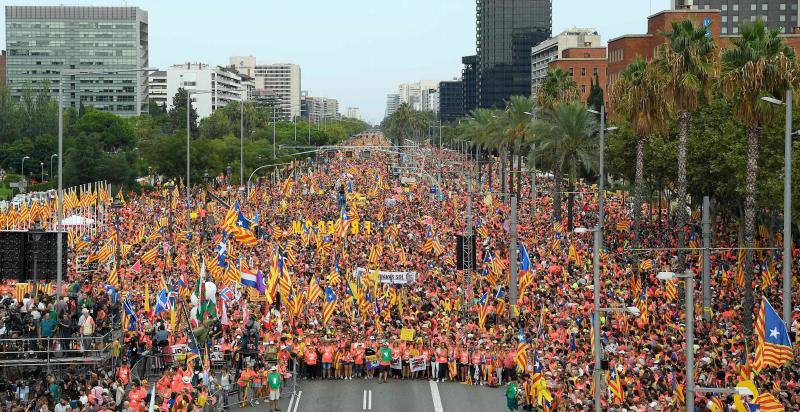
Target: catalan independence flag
329,306
774,347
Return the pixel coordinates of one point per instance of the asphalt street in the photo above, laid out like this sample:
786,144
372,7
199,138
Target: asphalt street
395,396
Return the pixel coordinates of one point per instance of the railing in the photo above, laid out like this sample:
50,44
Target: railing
55,351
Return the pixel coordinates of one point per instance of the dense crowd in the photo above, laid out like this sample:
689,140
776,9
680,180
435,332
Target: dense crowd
384,300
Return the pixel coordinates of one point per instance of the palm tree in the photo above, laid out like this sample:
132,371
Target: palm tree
687,64
518,132
558,87
759,64
568,137
636,99
403,124
482,130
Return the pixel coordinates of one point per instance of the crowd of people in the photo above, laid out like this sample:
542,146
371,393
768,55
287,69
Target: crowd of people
256,292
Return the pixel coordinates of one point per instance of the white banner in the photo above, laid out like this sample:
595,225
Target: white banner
392,278
417,364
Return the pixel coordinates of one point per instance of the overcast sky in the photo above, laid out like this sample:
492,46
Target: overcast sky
356,51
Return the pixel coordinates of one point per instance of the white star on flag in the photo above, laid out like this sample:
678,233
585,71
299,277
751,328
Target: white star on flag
773,333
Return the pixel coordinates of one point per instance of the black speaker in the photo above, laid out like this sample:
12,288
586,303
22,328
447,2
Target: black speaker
20,249
460,265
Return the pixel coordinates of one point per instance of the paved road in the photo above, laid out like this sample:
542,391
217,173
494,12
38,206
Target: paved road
396,396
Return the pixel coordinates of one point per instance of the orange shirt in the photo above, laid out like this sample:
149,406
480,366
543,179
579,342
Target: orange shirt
327,354
311,356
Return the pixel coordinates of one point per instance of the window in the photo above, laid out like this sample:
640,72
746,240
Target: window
765,6
752,7
735,19
782,17
724,30
724,7
735,7
782,6
583,71
571,73
594,72
735,29
583,88
724,19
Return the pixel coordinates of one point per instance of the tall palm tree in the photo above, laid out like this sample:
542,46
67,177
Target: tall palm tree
482,130
636,100
759,64
687,63
518,133
568,137
558,86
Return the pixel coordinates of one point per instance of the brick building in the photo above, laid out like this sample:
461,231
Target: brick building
583,64
624,49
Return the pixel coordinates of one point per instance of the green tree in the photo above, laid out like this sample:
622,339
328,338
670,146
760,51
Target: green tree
177,114
568,139
687,63
596,96
637,100
558,87
759,64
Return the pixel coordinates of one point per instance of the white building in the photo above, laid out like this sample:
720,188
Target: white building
354,113
545,52
157,87
420,96
281,80
392,102
320,108
224,86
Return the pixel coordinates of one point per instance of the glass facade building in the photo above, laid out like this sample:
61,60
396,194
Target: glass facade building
41,41
469,76
451,100
507,29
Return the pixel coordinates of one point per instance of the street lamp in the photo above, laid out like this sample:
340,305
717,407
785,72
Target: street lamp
60,213
689,302
23,167
35,234
42,165
51,165
787,206
116,206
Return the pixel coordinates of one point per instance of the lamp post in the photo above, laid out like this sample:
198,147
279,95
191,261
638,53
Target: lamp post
35,234
787,207
23,167
116,206
689,302
42,166
51,165
241,143
60,212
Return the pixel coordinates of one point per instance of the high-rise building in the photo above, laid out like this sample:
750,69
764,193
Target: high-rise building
44,40
545,52
506,31
469,75
282,79
223,83
279,82
354,113
321,108
392,103
451,100
777,14
157,87
420,96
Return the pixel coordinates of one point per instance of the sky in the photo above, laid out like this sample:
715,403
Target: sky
356,51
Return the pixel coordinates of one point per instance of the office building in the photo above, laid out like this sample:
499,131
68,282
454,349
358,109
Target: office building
422,96
283,79
392,103
469,75
223,84
779,15
451,100
321,108
506,31
279,80
2,67
545,52
157,87
354,113
41,41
